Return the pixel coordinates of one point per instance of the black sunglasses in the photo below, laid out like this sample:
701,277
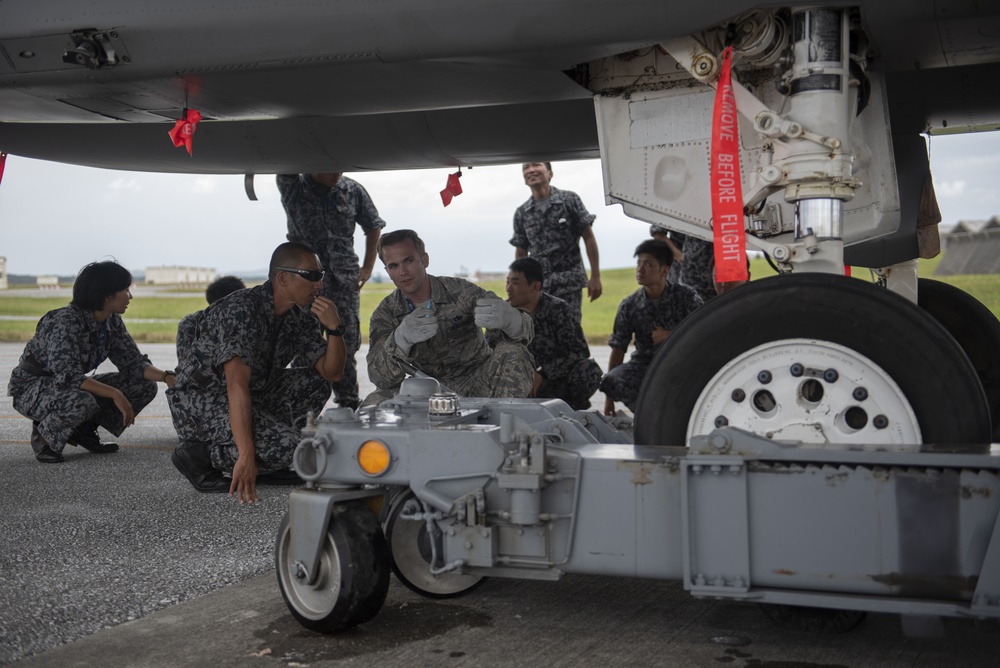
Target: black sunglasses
313,275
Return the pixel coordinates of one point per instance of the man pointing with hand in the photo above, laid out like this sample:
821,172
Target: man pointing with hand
434,323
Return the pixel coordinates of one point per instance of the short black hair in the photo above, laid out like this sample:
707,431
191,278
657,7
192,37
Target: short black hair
98,281
658,249
288,254
398,237
530,267
548,165
222,286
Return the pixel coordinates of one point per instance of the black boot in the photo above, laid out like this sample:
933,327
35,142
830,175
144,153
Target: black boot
283,477
43,452
86,437
193,460
352,403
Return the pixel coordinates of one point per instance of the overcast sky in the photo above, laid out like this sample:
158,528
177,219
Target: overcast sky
55,218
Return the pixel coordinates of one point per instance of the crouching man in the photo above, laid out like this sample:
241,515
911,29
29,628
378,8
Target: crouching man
646,317
434,323
50,384
563,366
237,409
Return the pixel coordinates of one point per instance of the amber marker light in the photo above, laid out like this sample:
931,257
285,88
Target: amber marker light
373,457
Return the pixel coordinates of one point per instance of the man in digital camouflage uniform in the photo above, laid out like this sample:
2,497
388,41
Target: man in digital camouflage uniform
548,227
434,323
563,366
675,241
50,385
188,326
648,316
693,264
698,267
322,211
236,407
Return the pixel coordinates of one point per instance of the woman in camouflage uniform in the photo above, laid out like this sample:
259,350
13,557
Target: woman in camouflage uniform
50,385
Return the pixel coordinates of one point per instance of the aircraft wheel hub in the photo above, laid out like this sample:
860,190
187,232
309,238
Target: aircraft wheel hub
807,390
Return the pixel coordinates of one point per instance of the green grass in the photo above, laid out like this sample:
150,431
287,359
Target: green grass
168,309
598,316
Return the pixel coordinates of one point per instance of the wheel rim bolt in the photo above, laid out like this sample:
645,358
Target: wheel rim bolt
831,375
739,395
880,421
860,394
764,377
721,421
796,369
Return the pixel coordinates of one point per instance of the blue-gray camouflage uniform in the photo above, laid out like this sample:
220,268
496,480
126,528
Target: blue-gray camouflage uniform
244,325
698,267
674,275
324,219
562,356
187,330
458,355
551,234
636,318
68,344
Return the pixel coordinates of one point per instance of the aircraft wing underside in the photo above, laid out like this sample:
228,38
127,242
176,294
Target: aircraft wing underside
469,137
397,85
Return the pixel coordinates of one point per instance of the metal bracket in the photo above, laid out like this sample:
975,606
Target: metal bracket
715,523
94,49
248,187
986,598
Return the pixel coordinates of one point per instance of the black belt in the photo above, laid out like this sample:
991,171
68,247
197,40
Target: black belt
30,364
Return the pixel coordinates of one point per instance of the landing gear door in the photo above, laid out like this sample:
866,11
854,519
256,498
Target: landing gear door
656,157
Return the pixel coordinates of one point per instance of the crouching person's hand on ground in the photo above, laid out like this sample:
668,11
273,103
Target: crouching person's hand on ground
244,480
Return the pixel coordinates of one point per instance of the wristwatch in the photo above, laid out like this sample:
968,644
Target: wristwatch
334,332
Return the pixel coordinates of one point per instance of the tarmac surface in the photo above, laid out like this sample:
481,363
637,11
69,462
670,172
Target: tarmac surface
114,560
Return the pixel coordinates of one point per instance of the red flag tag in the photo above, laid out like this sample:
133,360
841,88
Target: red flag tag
182,133
3,161
452,189
727,189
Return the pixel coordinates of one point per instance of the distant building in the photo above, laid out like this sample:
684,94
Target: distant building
481,276
971,247
175,275
3,273
47,282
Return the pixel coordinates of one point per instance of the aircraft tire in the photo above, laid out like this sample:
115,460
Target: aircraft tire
975,328
921,370
410,555
353,581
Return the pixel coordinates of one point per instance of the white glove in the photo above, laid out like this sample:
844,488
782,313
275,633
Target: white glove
495,313
419,326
